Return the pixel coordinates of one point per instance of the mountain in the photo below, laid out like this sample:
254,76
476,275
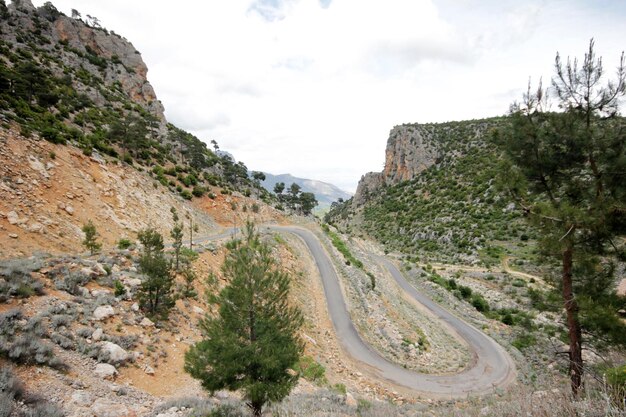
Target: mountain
70,81
436,196
83,137
325,193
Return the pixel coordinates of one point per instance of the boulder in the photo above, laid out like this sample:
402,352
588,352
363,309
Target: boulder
115,352
96,336
146,322
12,217
105,371
99,269
103,312
82,398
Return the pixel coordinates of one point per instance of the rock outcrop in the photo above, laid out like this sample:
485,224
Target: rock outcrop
410,150
88,46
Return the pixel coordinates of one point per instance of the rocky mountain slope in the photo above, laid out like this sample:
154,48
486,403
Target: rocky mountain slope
437,194
325,193
84,138
68,80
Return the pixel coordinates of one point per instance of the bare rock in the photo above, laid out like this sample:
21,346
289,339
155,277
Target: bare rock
105,371
13,236
99,269
350,400
149,370
146,322
83,398
12,217
198,310
135,307
69,210
103,407
132,282
96,336
103,312
35,227
115,352
368,185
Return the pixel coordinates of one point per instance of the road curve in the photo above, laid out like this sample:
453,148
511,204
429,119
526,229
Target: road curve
492,367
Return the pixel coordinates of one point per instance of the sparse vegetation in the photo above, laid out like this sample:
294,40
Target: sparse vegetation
91,236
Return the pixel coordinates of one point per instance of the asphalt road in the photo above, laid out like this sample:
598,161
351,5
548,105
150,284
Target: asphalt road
492,366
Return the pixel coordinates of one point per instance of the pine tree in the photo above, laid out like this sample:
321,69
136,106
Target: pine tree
91,236
156,290
252,343
177,235
567,170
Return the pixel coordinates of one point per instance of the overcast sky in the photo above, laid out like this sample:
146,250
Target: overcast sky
312,87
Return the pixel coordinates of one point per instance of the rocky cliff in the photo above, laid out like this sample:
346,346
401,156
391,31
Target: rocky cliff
77,44
109,154
410,150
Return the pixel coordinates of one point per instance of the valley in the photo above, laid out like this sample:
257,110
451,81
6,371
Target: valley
437,289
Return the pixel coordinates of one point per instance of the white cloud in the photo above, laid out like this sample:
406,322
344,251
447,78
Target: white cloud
312,88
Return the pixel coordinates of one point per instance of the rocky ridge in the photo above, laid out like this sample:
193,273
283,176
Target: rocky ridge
410,150
127,68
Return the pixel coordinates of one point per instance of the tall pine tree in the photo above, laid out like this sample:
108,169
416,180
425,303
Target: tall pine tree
156,290
252,343
567,171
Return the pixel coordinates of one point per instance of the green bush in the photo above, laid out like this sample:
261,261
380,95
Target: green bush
310,370
524,341
124,243
120,290
480,303
466,292
198,191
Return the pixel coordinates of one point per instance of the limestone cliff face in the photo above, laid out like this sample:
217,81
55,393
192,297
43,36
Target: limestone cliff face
80,45
368,184
410,150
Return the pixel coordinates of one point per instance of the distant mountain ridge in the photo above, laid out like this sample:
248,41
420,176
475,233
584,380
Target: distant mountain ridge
325,193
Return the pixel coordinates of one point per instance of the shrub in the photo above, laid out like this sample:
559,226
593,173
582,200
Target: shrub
466,292
480,303
30,350
60,320
124,243
6,404
507,319
186,194
44,410
10,384
524,341
16,279
616,384
120,289
518,283
71,282
198,191
310,370
65,340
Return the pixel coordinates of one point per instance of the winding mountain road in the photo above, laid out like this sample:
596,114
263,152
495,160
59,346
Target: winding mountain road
492,367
